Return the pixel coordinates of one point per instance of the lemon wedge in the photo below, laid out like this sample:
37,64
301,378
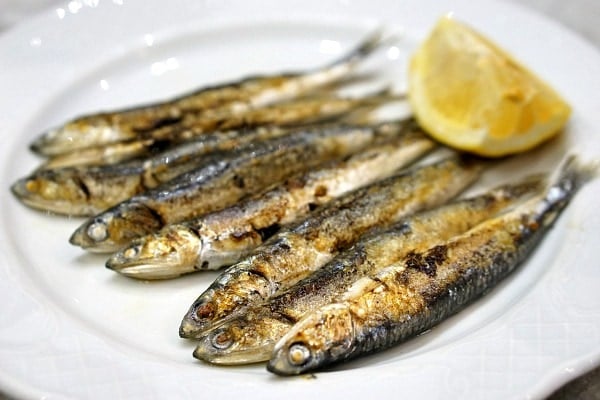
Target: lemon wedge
470,95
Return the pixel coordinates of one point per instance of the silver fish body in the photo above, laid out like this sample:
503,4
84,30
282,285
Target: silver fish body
294,112
409,297
295,252
89,190
251,336
234,97
224,237
151,149
104,155
219,184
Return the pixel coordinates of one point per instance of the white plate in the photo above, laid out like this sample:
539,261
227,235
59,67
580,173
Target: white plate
69,328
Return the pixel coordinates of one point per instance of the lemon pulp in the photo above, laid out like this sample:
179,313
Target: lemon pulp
470,95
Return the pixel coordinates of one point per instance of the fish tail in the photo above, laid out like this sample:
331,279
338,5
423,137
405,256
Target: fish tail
368,45
573,173
570,177
530,185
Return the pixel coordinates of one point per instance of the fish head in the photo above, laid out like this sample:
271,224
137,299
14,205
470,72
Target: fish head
245,339
230,294
319,338
54,190
168,253
116,227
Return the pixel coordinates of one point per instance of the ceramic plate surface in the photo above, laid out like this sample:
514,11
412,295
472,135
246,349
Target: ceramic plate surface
69,328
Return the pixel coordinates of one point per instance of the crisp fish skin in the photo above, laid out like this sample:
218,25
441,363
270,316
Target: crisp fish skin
219,184
295,252
407,298
224,237
127,124
89,190
251,336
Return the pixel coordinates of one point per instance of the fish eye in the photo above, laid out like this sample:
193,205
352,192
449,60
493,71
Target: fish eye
32,185
204,310
132,251
298,354
97,231
221,340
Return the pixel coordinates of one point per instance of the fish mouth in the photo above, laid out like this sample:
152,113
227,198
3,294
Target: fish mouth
165,255
43,141
247,339
146,268
205,352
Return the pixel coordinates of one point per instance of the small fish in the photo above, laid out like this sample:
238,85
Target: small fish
234,97
221,129
295,252
289,113
407,298
89,190
224,237
219,184
251,336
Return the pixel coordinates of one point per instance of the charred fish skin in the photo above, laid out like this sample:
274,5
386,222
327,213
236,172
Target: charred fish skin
407,298
219,184
251,336
121,125
226,236
293,253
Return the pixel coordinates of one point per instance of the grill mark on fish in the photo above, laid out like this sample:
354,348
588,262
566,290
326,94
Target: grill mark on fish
401,301
314,241
253,333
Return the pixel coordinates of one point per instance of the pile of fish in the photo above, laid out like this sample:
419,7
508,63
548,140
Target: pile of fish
333,245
